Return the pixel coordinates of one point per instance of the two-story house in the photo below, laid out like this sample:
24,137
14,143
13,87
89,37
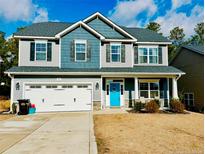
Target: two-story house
75,66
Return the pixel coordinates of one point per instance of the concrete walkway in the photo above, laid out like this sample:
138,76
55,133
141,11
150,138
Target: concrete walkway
58,133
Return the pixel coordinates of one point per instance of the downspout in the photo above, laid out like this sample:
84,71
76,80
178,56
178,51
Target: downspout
11,94
177,78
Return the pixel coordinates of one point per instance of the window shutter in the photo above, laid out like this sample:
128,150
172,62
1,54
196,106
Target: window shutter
88,51
123,53
49,51
72,51
136,54
32,51
160,55
108,53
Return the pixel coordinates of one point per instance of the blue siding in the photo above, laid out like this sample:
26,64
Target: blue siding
104,29
80,33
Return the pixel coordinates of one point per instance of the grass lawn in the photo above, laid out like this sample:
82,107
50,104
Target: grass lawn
149,133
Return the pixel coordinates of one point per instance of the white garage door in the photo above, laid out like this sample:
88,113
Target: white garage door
59,97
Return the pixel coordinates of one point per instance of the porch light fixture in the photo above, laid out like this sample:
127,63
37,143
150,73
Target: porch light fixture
97,86
17,86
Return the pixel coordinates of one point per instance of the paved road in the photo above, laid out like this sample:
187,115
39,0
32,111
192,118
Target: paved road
48,133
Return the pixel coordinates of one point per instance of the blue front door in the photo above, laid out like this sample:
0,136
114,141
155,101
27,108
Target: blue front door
114,94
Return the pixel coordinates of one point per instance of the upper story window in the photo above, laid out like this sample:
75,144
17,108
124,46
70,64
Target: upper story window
80,50
115,51
148,55
41,50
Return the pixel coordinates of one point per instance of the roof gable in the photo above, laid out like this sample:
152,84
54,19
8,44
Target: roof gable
106,30
109,22
80,23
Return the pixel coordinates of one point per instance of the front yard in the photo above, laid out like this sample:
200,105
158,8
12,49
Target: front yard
149,133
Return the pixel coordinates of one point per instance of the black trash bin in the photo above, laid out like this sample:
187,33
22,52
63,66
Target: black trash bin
24,105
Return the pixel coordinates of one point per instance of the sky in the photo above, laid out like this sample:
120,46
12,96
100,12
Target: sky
132,13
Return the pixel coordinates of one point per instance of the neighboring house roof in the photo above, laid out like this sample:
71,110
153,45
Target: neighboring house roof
135,69
197,48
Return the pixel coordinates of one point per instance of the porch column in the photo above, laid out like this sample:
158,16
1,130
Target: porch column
136,89
174,88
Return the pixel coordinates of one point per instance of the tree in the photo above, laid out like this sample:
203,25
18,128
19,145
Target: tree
177,35
199,29
9,54
154,26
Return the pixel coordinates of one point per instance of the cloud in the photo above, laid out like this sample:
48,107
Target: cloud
188,23
125,12
42,15
129,13
178,3
13,10
22,10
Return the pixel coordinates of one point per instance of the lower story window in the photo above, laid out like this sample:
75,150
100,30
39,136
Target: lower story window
149,89
189,99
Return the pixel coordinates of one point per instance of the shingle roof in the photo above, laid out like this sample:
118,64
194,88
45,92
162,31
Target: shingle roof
145,35
50,29
196,48
136,69
45,29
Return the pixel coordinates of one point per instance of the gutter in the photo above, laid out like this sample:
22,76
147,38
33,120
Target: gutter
91,73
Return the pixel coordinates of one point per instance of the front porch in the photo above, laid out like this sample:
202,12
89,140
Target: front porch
124,91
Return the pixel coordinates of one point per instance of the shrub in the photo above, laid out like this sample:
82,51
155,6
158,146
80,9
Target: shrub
138,106
4,104
152,106
176,106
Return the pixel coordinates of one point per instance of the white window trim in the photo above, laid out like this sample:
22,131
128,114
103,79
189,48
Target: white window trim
148,47
149,91
115,44
83,42
40,42
189,98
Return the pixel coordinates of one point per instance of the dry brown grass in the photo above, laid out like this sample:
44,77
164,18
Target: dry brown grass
5,116
149,133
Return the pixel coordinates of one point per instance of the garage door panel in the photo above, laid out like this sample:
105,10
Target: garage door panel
60,99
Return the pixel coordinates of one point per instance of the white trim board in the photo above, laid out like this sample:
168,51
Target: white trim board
91,73
34,37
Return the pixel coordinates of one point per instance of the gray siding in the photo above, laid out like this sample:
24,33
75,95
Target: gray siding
193,81
81,34
24,55
128,57
104,29
18,94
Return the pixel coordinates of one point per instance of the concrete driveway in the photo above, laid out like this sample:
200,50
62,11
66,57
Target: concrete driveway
48,133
